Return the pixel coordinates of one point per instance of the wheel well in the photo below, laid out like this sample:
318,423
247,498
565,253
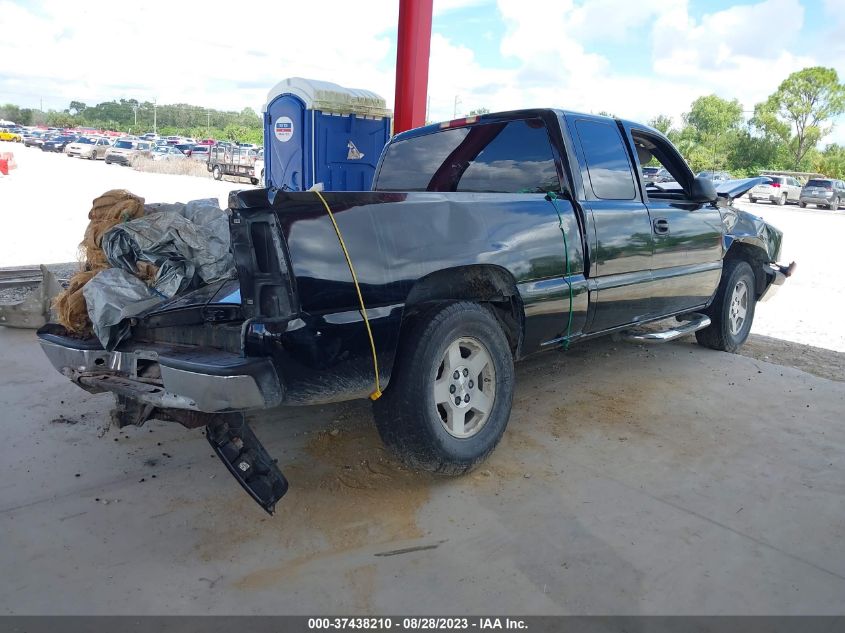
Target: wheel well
490,285
757,259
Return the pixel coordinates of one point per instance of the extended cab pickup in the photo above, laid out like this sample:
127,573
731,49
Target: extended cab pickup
483,240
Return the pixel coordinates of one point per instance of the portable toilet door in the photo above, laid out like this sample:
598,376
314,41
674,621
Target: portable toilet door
347,148
285,144
320,132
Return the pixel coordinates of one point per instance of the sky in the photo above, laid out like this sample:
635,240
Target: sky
634,58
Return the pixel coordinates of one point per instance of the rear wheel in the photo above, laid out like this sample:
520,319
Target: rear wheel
732,311
217,172
450,395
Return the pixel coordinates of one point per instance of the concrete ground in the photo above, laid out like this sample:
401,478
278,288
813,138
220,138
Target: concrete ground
664,480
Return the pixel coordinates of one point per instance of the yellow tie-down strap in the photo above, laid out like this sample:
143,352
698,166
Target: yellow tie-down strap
375,395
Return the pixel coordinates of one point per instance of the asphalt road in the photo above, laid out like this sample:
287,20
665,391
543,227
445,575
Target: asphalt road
665,480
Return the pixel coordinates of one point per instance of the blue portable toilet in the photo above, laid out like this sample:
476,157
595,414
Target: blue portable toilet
319,132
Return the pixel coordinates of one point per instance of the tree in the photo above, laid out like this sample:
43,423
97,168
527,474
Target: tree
76,107
799,110
662,123
831,162
710,131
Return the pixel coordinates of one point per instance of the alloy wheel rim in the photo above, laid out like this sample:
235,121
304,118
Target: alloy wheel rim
738,308
465,387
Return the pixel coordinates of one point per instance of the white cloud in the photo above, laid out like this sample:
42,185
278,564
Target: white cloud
553,51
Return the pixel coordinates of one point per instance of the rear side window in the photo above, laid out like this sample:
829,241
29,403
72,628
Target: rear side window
607,161
512,157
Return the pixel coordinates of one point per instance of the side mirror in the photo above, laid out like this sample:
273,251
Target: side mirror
703,190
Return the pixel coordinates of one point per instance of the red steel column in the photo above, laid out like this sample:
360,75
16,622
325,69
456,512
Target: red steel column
412,53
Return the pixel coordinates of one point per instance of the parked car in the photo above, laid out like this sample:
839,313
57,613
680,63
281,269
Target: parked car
823,192
35,139
716,176
88,147
656,174
780,190
650,173
167,152
125,150
199,153
463,267
9,134
58,143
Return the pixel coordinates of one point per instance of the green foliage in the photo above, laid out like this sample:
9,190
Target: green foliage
710,132
799,111
662,123
831,162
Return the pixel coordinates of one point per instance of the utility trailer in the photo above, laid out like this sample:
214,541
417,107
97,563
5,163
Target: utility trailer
233,160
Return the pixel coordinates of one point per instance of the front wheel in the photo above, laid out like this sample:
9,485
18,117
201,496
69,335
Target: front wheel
732,311
450,395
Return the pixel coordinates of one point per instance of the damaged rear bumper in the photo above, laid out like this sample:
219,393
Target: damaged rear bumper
168,377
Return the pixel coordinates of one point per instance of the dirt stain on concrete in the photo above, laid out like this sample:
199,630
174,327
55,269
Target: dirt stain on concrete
347,492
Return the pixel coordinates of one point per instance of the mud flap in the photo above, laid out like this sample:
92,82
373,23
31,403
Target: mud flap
247,459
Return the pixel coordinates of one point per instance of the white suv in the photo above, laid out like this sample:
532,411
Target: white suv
781,190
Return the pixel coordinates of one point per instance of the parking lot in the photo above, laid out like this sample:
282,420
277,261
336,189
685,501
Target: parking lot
661,480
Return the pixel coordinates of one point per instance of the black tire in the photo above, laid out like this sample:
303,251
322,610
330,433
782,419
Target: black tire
217,173
782,200
408,419
720,333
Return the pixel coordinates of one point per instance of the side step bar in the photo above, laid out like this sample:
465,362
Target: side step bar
247,459
689,323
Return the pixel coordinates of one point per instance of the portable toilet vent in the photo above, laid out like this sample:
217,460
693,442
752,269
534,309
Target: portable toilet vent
319,132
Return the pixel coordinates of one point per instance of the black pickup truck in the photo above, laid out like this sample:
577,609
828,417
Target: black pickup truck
483,240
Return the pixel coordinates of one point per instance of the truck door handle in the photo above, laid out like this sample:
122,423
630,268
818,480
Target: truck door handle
661,226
